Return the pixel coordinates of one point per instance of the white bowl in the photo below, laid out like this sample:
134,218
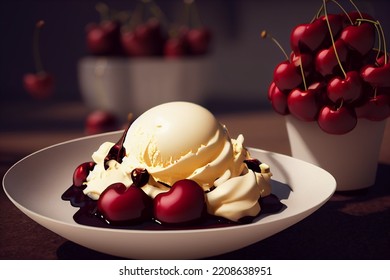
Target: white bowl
35,185
133,85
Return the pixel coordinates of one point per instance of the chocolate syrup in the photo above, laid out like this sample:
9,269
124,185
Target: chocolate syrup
89,215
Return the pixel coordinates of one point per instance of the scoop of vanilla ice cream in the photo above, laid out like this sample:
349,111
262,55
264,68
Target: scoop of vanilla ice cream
182,140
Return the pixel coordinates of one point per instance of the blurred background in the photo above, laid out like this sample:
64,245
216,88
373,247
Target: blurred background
240,62
236,74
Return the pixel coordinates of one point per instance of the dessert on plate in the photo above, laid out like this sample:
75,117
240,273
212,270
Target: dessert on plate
174,165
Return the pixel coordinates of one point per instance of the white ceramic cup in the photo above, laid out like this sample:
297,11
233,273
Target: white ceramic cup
133,85
352,158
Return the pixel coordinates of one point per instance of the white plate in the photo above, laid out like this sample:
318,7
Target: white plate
35,185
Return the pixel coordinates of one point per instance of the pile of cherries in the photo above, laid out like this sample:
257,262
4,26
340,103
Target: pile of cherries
120,205
338,71
146,32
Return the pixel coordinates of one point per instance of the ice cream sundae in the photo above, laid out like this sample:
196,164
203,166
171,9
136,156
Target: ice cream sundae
175,165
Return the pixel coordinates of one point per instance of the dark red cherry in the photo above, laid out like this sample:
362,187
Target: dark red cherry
278,99
140,177
39,85
100,121
308,38
119,204
336,23
103,38
377,76
353,36
304,58
146,39
377,108
198,40
287,76
303,103
253,164
337,120
349,88
183,203
81,172
175,47
326,62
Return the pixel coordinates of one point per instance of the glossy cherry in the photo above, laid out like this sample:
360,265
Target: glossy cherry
253,164
40,85
306,60
119,204
303,104
353,36
183,203
326,62
176,47
140,177
287,76
308,38
100,121
278,99
198,40
146,39
81,172
377,76
337,120
349,88
336,22
377,108
103,38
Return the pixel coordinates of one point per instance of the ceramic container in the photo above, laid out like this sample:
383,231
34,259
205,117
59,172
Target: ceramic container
352,158
125,85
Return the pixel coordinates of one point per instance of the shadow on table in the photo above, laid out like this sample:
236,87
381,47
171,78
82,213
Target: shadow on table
353,225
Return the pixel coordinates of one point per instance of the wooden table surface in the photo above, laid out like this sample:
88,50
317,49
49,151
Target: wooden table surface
349,226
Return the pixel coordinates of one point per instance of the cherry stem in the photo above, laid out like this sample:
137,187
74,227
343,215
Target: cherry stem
264,34
317,15
344,11
341,103
384,41
103,10
140,14
338,4
121,16
37,54
158,13
192,14
137,16
331,37
356,8
302,73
